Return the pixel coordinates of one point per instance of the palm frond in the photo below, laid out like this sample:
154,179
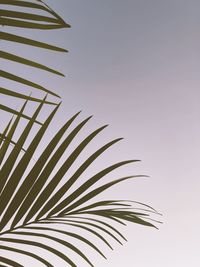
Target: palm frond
15,177
15,78
26,41
5,131
8,135
9,262
13,111
65,233
34,205
3,138
39,196
29,19
12,57
8,92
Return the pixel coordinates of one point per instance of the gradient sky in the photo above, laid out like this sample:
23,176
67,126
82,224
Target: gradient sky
134,64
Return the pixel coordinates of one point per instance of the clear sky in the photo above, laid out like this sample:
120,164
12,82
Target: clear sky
134,64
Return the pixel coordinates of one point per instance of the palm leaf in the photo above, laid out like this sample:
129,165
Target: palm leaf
33,175
5,91
56,252
24,61
67,234
89,225
11,132
24,4
9,262
5,131
10,162
40,245
13,111
41,221
7,138
26,16
82,188
30,20
22,165
15,78
39,184
62,222
3,138
110,227
26,41
34,195
40,6
31,25
59,175
24,252
93,194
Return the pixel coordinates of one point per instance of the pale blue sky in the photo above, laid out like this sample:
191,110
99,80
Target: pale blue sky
135,65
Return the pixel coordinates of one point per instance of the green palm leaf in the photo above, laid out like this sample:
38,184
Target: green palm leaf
19,192
39,196
33,175
10,162
15,78
66,233
8,135
29,20
3,135
26,41
5,91
60,174
3,138
13,111
38,186
40,6
84,187
24,252
24,61
89,224
110,227
40,245
24,4
7,142
15,178
31,25
49,237
9,262
26,16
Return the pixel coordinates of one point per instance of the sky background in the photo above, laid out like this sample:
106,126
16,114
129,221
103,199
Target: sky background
134,64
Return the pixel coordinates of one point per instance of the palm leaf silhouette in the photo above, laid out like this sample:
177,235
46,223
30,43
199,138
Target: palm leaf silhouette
34,203
30,20
42,203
